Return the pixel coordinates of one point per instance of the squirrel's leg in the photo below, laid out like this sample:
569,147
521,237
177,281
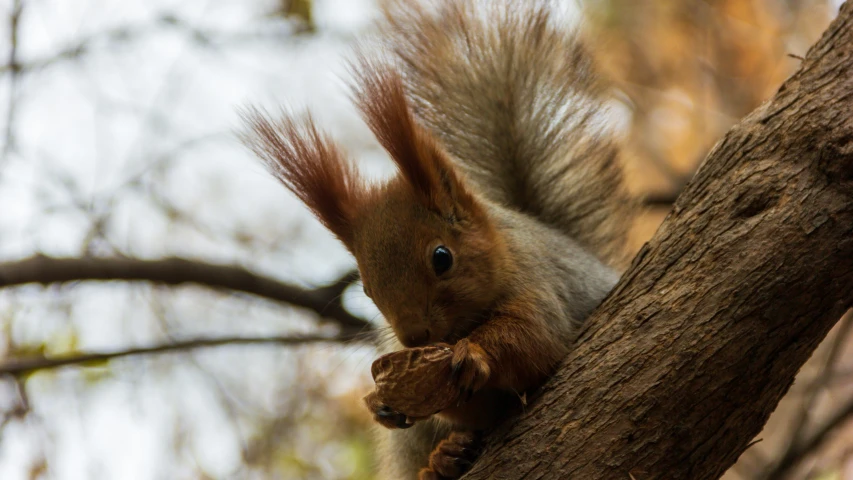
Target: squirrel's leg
514,351
511,352
452,457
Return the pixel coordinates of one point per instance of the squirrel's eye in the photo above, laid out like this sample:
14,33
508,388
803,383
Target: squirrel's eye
442,260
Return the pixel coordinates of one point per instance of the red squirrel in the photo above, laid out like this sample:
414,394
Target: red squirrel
494,236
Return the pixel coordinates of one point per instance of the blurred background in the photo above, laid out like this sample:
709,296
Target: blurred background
168,311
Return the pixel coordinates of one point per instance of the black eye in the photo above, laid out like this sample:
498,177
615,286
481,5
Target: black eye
442,260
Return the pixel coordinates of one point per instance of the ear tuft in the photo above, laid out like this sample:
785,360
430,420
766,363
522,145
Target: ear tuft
310,165
381,96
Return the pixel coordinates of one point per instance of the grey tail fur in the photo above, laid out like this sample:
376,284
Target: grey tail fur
514,97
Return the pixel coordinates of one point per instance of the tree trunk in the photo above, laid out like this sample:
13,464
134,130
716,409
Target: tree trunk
682,364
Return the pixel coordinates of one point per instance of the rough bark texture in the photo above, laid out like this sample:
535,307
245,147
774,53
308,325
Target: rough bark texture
680,367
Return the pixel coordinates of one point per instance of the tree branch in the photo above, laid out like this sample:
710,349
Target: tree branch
14,79
24,366
794,453
127,34
809,445
659,199
682,364
325,301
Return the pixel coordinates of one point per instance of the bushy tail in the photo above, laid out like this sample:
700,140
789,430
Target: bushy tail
514,98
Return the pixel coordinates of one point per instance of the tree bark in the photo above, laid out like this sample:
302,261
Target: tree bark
681,365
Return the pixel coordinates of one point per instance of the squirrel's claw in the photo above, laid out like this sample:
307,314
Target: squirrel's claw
390,416
385,415
469,368
452,457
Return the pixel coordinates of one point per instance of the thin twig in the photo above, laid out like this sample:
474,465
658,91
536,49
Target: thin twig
127,34
811,444
25,366
660,199
795,451
15,73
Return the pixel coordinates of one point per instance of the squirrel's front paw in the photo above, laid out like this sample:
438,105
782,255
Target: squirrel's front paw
469,368
385,415
452,457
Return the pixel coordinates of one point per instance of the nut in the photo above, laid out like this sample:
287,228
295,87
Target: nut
416,381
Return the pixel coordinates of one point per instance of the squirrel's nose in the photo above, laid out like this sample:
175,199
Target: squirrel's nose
415,339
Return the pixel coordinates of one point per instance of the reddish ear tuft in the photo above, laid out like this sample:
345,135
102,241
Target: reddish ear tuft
381,97
310,165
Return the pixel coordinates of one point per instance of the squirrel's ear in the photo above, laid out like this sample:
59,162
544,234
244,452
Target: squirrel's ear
381,97
310,165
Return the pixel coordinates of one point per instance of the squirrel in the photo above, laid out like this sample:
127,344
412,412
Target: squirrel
497,235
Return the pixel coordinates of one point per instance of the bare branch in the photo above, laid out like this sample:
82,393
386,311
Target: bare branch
127,34
808,446
325,301
14,68
792,456
660,199
24,366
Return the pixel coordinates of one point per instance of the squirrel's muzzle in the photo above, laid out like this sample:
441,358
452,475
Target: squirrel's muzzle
414,338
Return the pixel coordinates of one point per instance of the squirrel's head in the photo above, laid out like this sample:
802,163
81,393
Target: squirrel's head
426,248
428,259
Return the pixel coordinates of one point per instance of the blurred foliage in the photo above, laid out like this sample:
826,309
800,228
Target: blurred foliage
299,10
279,449
691,69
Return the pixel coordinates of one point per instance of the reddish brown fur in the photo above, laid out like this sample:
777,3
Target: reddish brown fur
452,457
528,192
311,166
393,244
513,332
428,201
497,82
381,97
